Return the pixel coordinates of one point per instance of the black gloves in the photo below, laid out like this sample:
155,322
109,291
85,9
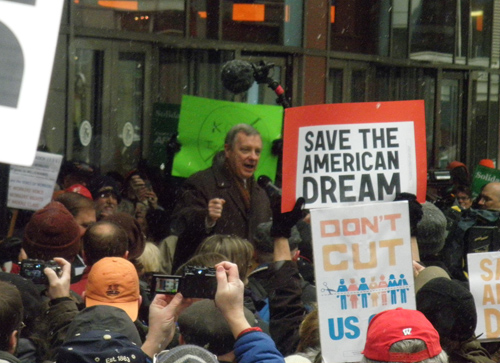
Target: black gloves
283,222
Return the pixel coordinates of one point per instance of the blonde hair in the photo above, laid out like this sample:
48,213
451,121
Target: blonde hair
236,249
151,259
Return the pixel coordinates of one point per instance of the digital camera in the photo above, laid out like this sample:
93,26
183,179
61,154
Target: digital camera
197,282
33,270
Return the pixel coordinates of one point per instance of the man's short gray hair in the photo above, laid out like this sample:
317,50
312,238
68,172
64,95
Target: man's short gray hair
411,346
236,129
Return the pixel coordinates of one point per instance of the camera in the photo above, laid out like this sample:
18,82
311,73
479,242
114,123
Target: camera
33,270
195,281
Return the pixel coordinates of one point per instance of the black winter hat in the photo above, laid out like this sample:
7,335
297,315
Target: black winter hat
450,307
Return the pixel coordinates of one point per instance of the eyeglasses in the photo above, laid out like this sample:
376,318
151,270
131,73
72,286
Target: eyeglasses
108,194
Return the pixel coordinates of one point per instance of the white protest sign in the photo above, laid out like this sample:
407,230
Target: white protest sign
355,163
353,153
484,276
32,187
363,265
28,37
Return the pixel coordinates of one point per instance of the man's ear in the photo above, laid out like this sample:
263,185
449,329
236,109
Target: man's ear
83,295
140,300
13,342
125,255
181,340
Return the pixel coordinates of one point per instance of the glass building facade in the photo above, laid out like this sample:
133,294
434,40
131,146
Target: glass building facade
123,66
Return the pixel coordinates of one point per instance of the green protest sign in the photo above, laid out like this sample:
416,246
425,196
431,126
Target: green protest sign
203,124
482,176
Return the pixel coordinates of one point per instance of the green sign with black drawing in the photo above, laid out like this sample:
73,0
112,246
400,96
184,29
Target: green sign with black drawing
203,124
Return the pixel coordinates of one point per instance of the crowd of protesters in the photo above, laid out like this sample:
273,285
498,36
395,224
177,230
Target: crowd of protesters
108,234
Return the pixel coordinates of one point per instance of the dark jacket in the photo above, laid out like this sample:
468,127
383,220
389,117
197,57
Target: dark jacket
285,306
192,209
7,357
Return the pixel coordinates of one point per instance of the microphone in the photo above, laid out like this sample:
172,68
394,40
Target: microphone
272,191
237,76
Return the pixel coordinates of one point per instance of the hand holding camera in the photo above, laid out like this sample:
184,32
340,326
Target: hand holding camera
196,282
56,274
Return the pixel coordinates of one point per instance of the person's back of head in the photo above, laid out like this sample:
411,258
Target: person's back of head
187,353
75,202
203,324
32,300
136,239
238,250
151,259
415,209
52,232
104,239
431,230
402,335
205,259
309,332
11,316
264,243
450,307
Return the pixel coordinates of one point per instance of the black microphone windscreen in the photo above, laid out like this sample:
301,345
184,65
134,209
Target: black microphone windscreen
237,76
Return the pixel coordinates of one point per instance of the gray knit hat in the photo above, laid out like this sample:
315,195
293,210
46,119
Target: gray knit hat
431,230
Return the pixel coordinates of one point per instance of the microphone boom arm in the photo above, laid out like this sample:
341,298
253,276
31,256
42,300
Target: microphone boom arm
261,75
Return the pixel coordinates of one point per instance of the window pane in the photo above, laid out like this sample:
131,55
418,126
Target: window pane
361,26
152,16
358,86
450,118
479,131
129,110
192,72
87,126
481,29
493,118
400,28
336,84
433,30
269,22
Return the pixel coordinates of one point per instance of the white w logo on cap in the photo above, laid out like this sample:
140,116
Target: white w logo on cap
407,331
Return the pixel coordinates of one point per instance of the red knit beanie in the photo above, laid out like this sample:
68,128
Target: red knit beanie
52,232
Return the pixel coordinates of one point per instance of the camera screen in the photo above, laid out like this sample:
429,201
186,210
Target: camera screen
166,284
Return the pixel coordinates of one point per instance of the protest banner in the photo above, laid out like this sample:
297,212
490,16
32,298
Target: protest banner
203,126
354,153
363,265
482,176
29,31
32,187
484,281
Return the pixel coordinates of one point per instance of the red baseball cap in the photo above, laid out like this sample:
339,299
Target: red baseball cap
391,326
80,189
